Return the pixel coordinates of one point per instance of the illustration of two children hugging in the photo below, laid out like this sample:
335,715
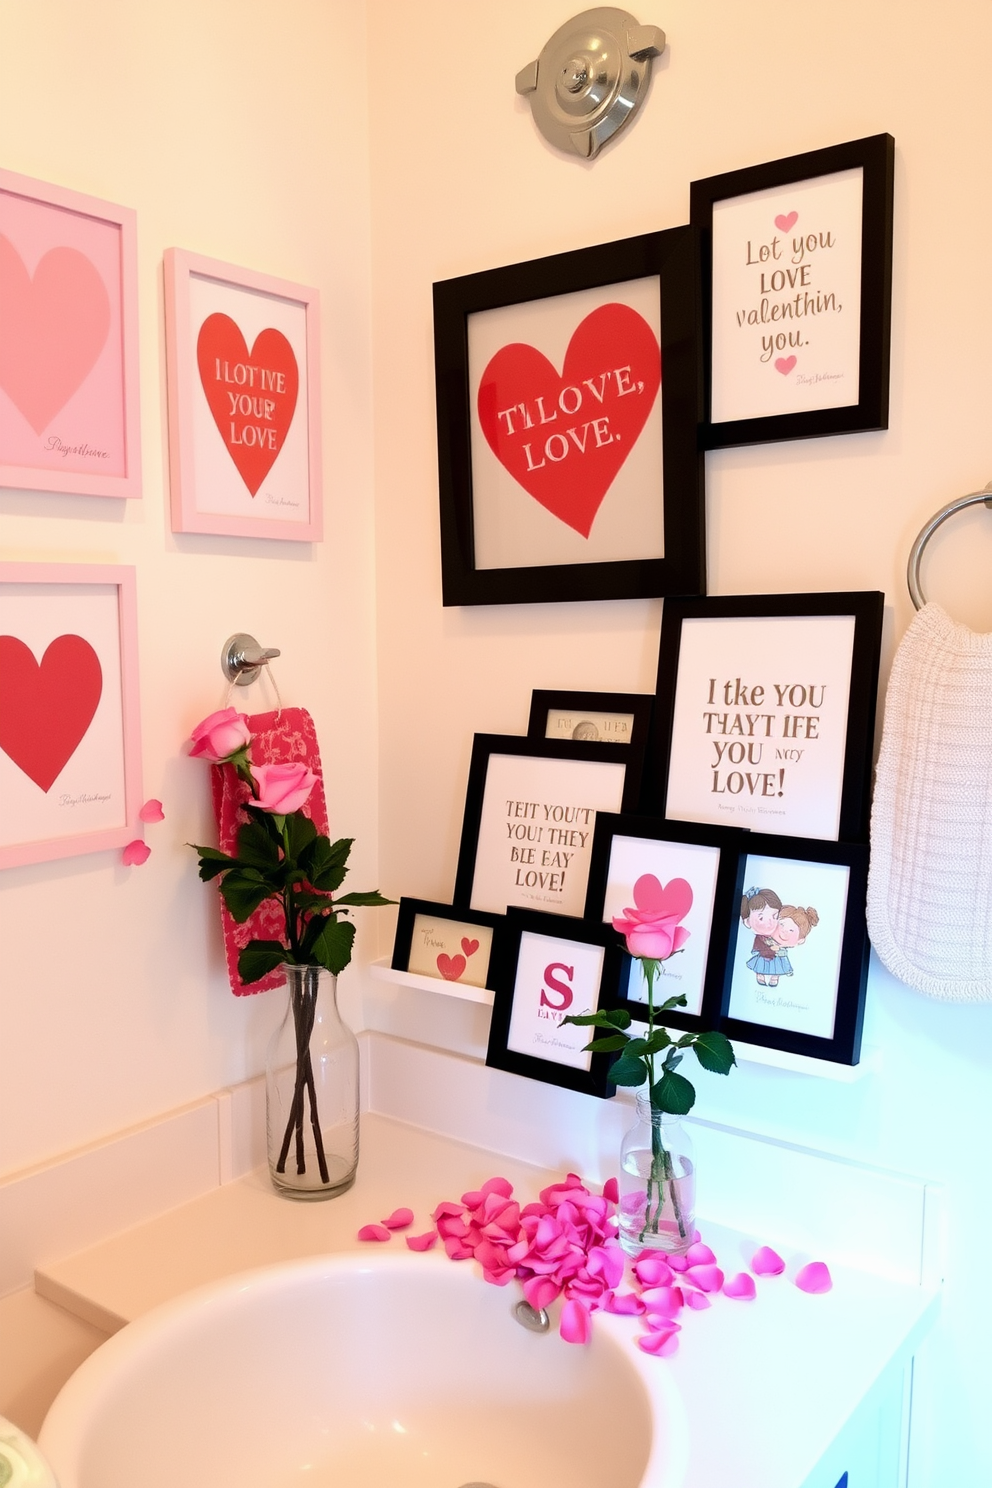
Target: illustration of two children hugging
777,928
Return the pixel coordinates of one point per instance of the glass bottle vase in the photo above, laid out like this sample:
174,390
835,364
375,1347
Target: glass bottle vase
311,1091
657,1184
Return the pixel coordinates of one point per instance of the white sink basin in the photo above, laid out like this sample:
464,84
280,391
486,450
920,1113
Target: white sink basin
395,1371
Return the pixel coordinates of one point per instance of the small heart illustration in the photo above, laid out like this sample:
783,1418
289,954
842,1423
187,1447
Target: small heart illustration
450,967
564,437
674,898
55,325
469,946
251,395
785,365
46,708
786,220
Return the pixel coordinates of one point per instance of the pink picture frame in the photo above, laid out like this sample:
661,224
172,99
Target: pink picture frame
242,354
70,734
69,403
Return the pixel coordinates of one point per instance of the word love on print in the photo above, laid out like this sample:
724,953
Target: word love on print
565,436
251,394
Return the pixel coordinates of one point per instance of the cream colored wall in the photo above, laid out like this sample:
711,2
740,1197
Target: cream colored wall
235,130
461,181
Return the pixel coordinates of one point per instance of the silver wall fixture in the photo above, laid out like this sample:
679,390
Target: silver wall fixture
590,78
242,659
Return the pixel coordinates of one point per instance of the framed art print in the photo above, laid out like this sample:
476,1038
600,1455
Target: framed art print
242,351
698,867
567,407
69,342
770,708
798,964
70,754
548,966
591,717
437,940
797,288
530,810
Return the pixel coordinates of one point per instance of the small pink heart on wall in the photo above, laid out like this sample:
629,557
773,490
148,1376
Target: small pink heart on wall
785,365
469,946
786,220
450,967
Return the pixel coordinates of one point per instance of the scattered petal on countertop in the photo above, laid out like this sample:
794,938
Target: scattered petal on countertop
400,1219
664,1344
457,1250
664,1301
707,1278
626,1303
373,1232
652,1270
678,1262
740,1287
576,1324
426,1241
699,1254
814,1278
698,1301
447,1208
136,853
659,1324
611,1191
767,1262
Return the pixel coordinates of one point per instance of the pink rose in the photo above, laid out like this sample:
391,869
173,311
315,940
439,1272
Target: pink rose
282,789
651,926
220,736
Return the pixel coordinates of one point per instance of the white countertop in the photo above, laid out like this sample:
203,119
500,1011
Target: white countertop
767,1385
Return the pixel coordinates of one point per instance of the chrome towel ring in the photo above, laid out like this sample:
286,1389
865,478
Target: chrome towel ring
913,568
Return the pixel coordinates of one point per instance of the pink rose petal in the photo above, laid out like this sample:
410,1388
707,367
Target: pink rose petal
151,811
664,1344
576,1324
814,1278
767,1262
699,1254
652,1270
373,1232
698,1301
627,1304
457,1250
678,1262
664,1301
400,1219
740,1287
611,1191
659,1324
427,1241
447,1208
136,853
707,1278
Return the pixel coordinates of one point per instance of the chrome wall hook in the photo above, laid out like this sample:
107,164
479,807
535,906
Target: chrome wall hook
590,78
242,659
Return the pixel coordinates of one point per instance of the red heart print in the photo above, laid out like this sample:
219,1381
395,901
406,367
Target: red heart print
55,326
252,395
785,220
450,967
45,710
785,365
469,946
674,898
564,438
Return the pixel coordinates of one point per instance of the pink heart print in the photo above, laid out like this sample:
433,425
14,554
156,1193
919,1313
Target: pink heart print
674,898
450,967
785,220
469,946
785,365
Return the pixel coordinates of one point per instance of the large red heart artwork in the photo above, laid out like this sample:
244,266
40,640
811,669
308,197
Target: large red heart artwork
565,437
252,395
46,709
55,326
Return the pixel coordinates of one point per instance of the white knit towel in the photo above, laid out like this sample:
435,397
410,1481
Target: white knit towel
930,882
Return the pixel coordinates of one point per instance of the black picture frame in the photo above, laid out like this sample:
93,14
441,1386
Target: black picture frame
490,834
522,937
410,910
634,708
669,850
841,1043
847,803
874,156
672,257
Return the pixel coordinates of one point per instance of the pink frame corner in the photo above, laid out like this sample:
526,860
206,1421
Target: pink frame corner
123,577
36,478
183,382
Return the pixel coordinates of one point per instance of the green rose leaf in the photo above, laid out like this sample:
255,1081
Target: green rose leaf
627,1071
326,863
258,958
615,1018
606,1045
244,889
658,1040
300,832
257,848
375,898
332,946
715,1052
212,862
673,1093
671,1002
